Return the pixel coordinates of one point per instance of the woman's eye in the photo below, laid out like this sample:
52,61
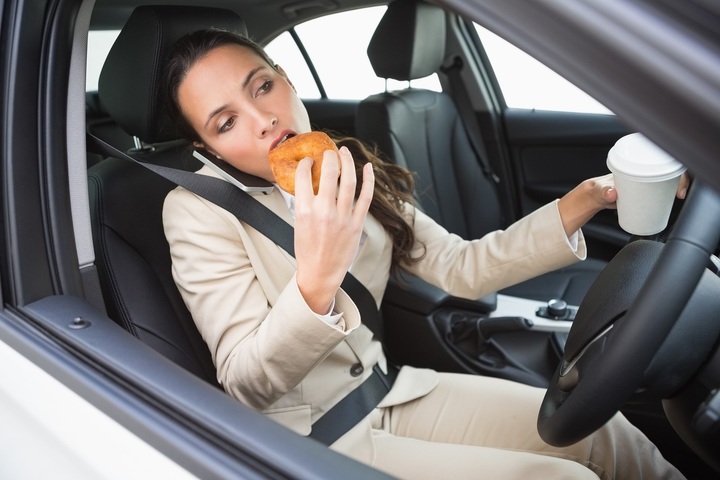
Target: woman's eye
227,125
265,87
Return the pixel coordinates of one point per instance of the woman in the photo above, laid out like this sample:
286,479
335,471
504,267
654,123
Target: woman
288,341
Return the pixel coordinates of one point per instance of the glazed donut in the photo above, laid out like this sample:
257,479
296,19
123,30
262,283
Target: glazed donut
284,158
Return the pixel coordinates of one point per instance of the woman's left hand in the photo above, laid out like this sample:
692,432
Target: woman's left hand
596,194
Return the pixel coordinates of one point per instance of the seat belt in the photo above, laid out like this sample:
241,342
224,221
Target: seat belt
354,406
462,100
464,106
247,209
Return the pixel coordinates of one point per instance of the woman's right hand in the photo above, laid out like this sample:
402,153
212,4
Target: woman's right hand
328,225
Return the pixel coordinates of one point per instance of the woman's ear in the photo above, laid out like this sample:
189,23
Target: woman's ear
202,146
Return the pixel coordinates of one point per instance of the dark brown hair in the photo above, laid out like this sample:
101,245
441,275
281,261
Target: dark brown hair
394,185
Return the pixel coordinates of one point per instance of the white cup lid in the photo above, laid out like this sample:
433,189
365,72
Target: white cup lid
636,156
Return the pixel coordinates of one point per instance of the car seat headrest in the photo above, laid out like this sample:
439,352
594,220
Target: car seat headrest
130,81
409,41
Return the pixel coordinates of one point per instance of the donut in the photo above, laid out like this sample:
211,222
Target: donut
285,156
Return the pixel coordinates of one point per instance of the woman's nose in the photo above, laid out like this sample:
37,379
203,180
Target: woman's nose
266,123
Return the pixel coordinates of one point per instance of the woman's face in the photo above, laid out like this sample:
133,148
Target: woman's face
241,107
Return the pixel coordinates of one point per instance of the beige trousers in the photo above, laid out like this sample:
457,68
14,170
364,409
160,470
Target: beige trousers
473,427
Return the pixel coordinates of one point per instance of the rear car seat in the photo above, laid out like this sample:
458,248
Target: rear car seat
423,131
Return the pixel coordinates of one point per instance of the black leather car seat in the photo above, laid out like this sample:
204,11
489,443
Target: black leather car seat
423,131
126,199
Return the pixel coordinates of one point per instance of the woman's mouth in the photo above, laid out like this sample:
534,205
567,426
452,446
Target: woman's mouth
282,139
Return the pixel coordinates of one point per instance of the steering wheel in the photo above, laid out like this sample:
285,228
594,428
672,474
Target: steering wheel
640,319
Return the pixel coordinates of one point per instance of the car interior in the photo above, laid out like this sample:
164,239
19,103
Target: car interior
457,160
129,240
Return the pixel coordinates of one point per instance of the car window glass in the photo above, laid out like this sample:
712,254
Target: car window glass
336,45
284,51
527,83
99,44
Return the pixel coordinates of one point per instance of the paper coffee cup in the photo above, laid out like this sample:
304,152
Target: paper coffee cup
646,180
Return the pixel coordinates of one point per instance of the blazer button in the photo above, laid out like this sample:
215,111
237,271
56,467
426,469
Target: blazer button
356,370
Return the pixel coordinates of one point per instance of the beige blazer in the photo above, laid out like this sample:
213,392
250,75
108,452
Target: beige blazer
274,354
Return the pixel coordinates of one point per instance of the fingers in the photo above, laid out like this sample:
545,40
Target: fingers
338,182
602,190
609,194
348,181
683,186
303,179
362,205
329,173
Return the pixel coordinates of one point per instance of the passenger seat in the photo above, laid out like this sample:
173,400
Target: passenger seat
423,131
